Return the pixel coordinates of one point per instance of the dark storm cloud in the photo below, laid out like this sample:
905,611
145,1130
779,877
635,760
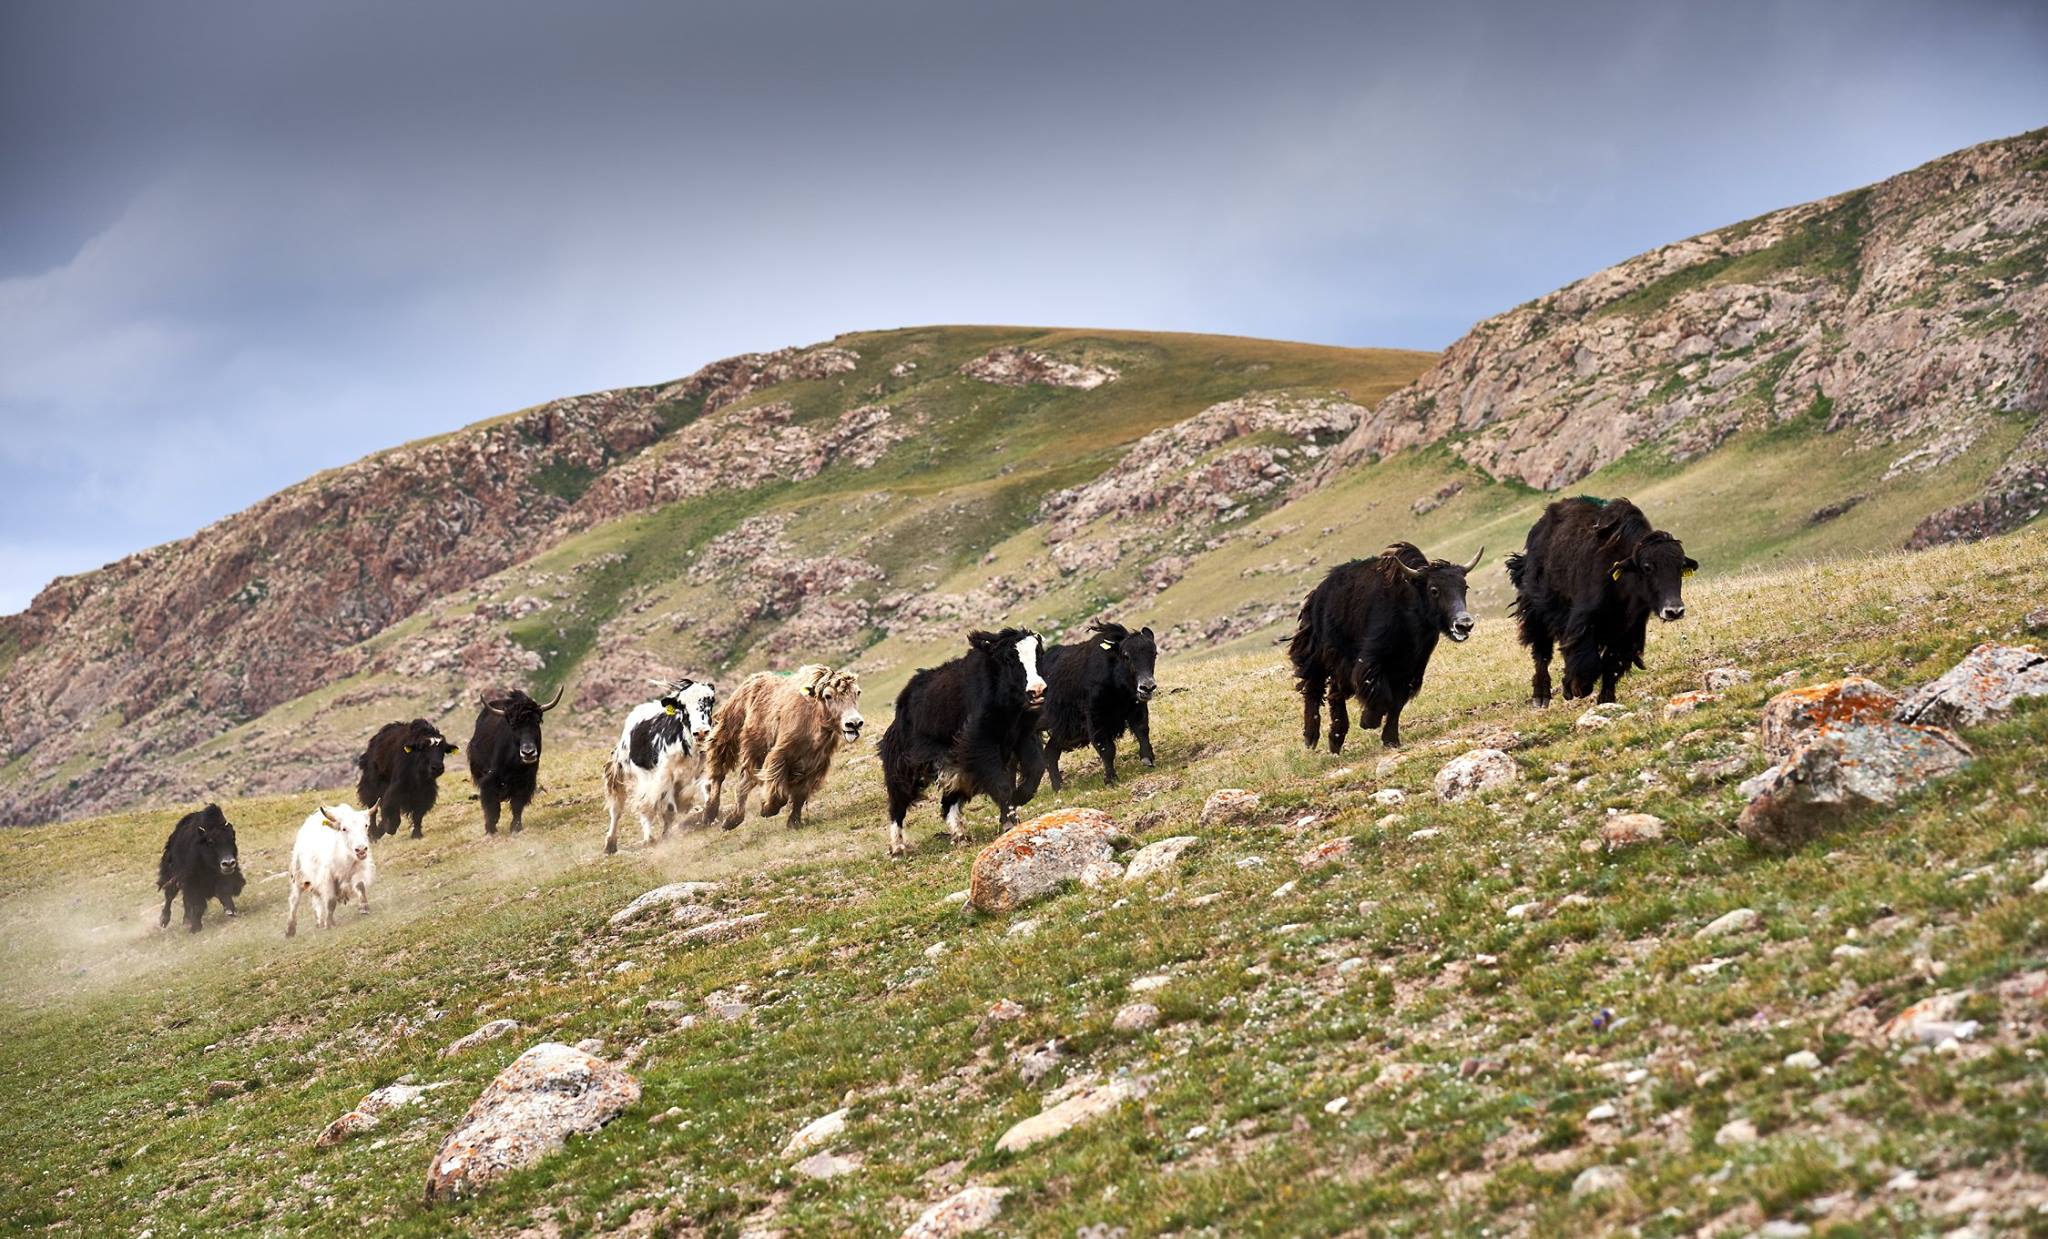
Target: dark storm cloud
239,243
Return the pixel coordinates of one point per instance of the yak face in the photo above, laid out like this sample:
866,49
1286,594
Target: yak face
1138,651
1013,655
839,692
1441,585
217,842
522,715
694,703
428,748
353,825
1655,574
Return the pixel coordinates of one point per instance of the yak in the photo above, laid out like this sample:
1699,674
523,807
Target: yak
972,723
200,862
1367,631
1095,690
401,768
1590,577
504,754
653,770
780,732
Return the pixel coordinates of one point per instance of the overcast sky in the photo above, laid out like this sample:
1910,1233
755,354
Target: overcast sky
243,242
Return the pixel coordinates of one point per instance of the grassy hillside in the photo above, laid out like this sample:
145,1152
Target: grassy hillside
1367,1047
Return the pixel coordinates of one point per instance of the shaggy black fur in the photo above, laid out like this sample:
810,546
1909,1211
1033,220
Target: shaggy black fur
504,754
200,863
971,720
1095,690
400,769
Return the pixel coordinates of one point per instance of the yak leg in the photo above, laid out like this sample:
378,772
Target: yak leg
170,893
490,805
1312,710
195,910
363,896
611,828
1610,676
710,791
1052,764
1340,719
1582,666
1141,727
902,787
1390,735
1105,748
1030,771
291,917
796,812
518,812
748,781
415,824
1540,652
227,904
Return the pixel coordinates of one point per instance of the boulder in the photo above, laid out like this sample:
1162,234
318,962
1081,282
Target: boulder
527,1113
1035,859
1158,858
1793,717
1685,703
964,1212
1229,804
1980,688
1082,1107
816,1134
1842,768
661,896
1628,829
1469,775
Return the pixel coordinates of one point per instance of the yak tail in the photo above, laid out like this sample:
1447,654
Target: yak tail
1301,646
1515,562
163,866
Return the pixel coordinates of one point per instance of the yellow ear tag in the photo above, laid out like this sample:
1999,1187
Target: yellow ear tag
408,748
1615,575
1108,645
454,749
810,692
668,709
1688,571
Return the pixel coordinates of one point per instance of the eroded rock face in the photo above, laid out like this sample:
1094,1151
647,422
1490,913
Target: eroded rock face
1038,857
1023,367
1981,687
548,1093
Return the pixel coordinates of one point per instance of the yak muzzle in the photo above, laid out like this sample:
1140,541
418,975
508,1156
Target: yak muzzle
529,756
699,737
1461,627
363,852
230,865
1146,688
850,728
1671,614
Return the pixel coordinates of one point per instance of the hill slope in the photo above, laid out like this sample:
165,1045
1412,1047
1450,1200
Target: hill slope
1380,1040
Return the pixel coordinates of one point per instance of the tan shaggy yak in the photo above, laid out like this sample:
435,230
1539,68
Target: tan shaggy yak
780,732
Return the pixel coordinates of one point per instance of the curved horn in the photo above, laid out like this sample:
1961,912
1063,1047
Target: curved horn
1394,557
493,709
552,704
1476,556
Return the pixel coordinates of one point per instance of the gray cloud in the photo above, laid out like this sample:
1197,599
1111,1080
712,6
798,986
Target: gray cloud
256,240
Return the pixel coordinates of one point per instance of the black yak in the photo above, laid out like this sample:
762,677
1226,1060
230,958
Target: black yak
504,754
401,768
1592,574
200,863
972,722
1367,631
1095,690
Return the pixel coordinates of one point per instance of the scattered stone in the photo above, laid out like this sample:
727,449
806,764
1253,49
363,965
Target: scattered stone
1596,1180
2036,621
1685,703
1728,923
1389,796
1736,1133
1593,720
822,1166
1150,982
693,914
1161,857
1803,1060
1080,1108
1229,804
1983,686
816,1134
727,1005
1629,829
218,1089
1335,1105
724,930
1036,859
669,1115
1932,1020
1328,852
935,950
489,1032
1533,910
962,1213
1137,1017
1035,1062
1425,834
1022,929
1605,1112
1003,1010
394,1096
349,1125
1721,679
593,1046
1473,773
1283,890
526,1113
660,896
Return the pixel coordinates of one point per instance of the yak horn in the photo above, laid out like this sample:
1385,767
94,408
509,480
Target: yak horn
493,709
552,704
1476,555
1413,574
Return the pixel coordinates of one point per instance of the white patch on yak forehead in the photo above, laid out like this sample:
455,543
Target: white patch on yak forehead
699,700
1027,653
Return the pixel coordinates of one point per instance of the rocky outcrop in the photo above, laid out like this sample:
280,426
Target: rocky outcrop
1023,367
1037,858
1910,315
1983,686
549,1093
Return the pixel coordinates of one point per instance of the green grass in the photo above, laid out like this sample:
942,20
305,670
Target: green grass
102,1104
1827,246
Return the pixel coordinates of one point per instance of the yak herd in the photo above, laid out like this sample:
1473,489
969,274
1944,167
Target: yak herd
992,722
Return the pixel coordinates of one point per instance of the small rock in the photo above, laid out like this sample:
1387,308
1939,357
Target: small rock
217,1089
1803,1060
526,1113
727,1005
349,1125
1003,1010
1595,1180
1605,1112
593,1046
823,1166
1022,929
964,1212
488,1032
935,950
1735,1133
1151,981
674,892
1283,890
1082,1107
1932,1020
724,930
1425,834
1474,773
1036,859
1629,829
1389,796
1335,1105
1721,679
1136,1017
1593,720
1156,859
1781,1228
816,1134
1728,923
1229,804
1328,852
1686,703
1035,1062
1533,910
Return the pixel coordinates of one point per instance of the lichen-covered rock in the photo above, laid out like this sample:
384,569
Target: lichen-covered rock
1721,679
1328,852
347,1127
1158,858
1629,829
1685,703
962,1213
662,896
1980,688
534,1105
1479,771
1840,768
1229,804
1058,1120
1035,859
1796,715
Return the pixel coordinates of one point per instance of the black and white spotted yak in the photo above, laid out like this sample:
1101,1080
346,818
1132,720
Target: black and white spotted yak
200,862
401,771
1590,577
504,754
1096,689
971,723
1368,630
